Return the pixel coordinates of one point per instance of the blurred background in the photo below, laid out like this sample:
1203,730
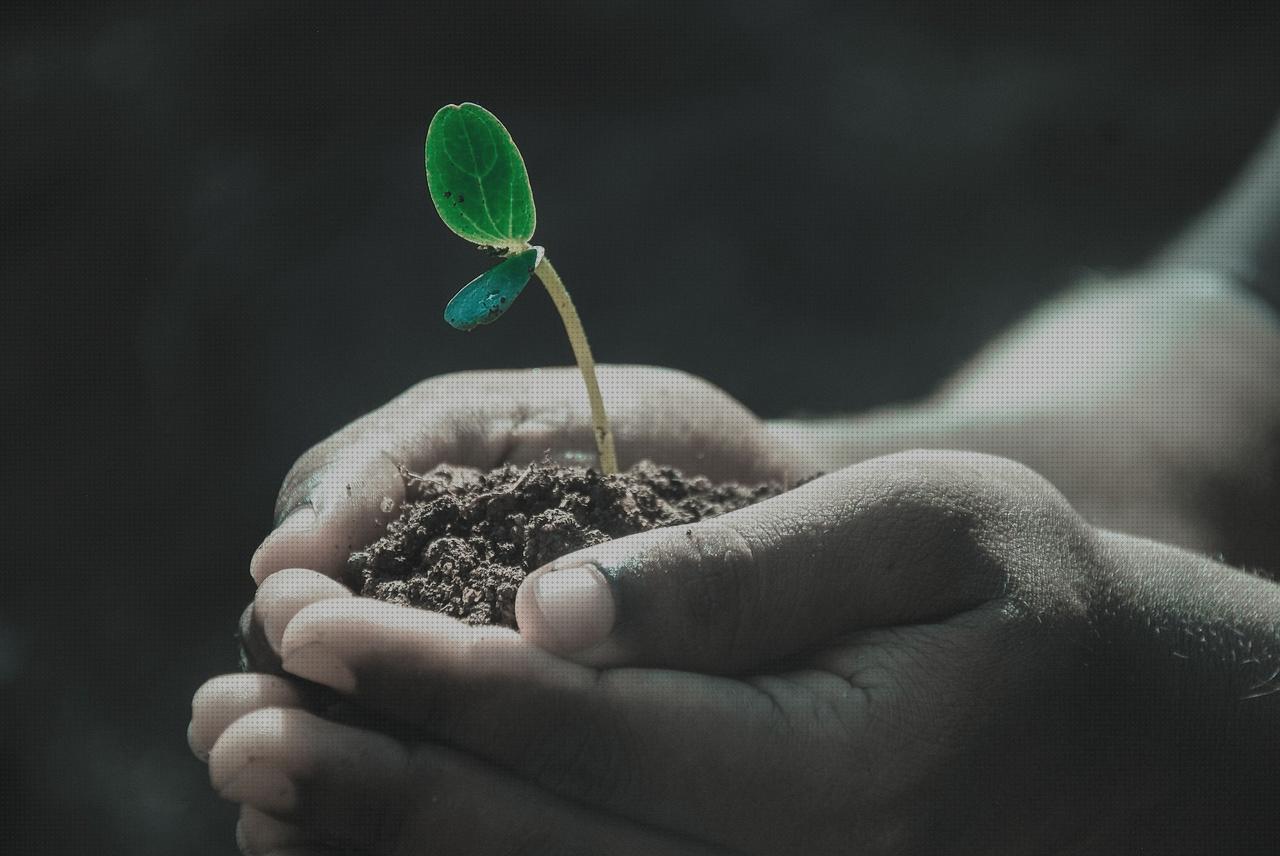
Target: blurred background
218,248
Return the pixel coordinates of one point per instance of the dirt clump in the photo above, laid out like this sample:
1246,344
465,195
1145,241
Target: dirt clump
465,539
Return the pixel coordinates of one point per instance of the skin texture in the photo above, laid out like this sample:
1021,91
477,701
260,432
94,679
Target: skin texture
991,628
922,647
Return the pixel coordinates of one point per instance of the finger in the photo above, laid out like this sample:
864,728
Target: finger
277,599
650,745
341,785
286,592
895,540
256,653
311,773
226,698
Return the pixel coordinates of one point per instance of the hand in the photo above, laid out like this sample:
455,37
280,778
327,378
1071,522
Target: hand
926,651
1149,401
339,495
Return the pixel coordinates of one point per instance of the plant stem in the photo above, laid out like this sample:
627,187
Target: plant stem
586,363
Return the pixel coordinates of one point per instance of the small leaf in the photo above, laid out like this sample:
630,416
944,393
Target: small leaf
486,297
477,178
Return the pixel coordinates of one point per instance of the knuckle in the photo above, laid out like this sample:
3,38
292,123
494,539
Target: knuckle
966,488
211,691
1000,522
946,508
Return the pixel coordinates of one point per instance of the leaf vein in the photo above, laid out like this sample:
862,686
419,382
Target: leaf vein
484,198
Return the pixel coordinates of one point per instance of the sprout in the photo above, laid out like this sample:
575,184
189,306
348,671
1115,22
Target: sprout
481,190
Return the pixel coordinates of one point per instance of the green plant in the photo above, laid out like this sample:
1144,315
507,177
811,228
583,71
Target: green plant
480,188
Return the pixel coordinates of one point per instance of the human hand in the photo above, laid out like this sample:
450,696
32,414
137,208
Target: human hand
923,651
341,493
1149,401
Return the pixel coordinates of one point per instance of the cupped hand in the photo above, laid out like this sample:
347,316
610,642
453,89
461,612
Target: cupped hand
889,659
341,493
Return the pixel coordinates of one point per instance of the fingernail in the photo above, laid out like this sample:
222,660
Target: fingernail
272,554
574,609
199,751
262,787
316,663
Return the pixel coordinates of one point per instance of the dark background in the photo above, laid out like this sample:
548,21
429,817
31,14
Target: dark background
218,248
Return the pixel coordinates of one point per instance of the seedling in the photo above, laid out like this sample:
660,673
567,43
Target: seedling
481,190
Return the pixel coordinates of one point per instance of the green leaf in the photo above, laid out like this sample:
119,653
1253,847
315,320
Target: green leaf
485,298
477,178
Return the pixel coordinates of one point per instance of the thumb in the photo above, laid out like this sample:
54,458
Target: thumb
877,544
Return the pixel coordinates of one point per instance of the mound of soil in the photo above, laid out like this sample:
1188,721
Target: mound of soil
465,539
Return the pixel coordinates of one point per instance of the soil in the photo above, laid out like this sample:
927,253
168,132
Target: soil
465,539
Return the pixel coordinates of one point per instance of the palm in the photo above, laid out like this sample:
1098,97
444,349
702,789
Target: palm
845,731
